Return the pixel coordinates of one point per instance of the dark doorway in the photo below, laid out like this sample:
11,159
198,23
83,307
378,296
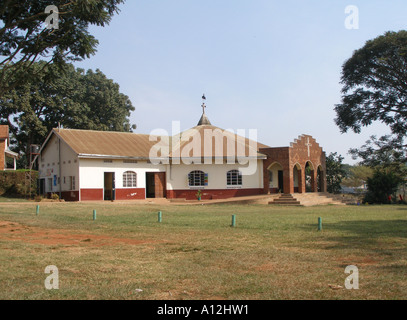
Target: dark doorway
110,186
156,185
41,187
281,181
150,185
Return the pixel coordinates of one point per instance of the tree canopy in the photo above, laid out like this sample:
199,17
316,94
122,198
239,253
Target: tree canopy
375,85
74,98
25,38
335,172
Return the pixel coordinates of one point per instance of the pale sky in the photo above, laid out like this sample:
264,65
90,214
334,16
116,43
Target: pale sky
273,66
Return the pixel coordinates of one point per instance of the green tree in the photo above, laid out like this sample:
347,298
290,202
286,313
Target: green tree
381,186
25,38
74,98
357,176
375,85
335,172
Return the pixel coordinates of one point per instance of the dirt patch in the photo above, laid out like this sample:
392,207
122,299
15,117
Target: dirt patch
266,267
17,232
359,261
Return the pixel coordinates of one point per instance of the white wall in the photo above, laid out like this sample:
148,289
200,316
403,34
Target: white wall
48,163
274,170
177,179
92,172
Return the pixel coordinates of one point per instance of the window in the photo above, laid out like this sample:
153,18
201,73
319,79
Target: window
197,179
50,184
130,161
129,179
73,183
234,178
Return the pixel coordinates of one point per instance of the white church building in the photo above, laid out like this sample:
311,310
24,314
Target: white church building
83,165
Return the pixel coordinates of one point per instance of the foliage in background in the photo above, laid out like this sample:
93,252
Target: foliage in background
357,176
17,183
74,98
25,39
374,89
335,172
375,85
381,186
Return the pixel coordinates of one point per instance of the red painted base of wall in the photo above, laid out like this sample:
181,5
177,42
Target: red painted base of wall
121,194
92,195
130,194
212,194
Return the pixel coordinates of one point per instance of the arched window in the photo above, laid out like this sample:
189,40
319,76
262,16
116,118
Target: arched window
129,179
234,178
197,179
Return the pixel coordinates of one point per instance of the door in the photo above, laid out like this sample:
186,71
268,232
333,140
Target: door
160,185
150,185
281,181
110,186
41,187
156,185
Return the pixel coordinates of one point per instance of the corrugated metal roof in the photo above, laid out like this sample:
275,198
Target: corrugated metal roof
106,143
87,143
209,135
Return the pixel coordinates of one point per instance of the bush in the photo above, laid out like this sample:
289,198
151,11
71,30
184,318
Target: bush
54,196
17,183
382,185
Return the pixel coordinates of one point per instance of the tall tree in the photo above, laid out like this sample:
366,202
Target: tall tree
375,89
375,85
25,37
335,172
383,153
74,98
358,176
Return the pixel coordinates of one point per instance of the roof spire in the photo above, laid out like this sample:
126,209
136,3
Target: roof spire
204,119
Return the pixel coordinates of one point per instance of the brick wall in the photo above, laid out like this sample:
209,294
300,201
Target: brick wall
2,156
304,150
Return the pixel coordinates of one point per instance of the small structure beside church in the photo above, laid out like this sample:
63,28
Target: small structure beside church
84,165
8,158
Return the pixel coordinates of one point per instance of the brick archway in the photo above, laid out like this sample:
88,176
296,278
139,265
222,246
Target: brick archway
302,150
310,177
298,179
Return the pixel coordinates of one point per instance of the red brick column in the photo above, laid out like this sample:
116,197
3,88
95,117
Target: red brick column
2,155
288,180
301,181
314,180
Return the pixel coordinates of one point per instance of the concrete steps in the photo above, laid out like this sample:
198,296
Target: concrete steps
316,199
310,199
285,200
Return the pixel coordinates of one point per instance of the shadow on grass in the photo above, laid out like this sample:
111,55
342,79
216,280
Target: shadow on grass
366,234
371,229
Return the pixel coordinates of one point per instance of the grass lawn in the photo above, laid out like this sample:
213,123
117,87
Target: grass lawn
273,253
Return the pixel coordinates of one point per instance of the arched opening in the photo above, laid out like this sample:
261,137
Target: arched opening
297,179
309,177
276,178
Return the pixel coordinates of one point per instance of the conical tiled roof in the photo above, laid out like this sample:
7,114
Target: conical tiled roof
204,121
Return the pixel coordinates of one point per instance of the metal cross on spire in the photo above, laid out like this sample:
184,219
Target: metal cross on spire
203,103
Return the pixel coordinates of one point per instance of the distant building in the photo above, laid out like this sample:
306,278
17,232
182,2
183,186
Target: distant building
95,165
7,157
